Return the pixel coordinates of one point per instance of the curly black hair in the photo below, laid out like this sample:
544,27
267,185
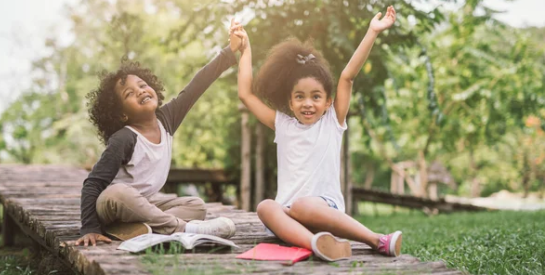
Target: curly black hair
281,71
105,110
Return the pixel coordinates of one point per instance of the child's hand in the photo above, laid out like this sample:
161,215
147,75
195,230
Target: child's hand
235,42
387,21
92,239
240,33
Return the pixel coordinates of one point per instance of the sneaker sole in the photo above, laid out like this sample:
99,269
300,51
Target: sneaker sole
126,231
326,247
395,244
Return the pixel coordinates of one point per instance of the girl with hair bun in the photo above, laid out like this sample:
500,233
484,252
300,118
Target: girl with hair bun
295,86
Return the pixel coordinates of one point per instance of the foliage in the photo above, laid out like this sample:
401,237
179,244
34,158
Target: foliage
479,243
48,124
455,85
488,80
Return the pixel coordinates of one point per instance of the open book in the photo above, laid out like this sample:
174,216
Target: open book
188,240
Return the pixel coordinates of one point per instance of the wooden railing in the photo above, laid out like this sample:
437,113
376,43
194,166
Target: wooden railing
198,176
437,205
216,177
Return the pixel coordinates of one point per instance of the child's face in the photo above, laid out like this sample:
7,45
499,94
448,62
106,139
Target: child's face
309,100
138,98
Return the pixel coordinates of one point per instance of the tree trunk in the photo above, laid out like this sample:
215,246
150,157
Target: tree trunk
246,161
369,177
346,172
259,165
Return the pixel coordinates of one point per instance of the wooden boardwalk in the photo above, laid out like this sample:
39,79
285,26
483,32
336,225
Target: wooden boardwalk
44,202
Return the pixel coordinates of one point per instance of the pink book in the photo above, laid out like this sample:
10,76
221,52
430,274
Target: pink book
275,252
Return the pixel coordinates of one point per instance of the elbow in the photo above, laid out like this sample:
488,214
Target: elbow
243,97
347,77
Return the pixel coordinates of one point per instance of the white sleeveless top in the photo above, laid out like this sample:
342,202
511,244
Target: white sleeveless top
309,158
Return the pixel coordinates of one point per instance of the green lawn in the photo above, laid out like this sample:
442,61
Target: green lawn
480,243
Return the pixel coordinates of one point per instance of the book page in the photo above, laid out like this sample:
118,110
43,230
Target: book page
191,240
144,241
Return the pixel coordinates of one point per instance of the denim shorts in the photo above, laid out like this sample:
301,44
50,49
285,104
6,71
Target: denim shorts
329,202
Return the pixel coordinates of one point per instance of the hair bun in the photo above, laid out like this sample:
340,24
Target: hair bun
304,59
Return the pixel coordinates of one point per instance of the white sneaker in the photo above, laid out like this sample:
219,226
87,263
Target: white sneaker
221,227
326,247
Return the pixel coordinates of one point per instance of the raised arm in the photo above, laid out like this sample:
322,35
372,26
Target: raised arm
263,112
344,88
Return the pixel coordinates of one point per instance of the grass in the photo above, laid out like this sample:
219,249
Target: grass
480,243
15,261
166,261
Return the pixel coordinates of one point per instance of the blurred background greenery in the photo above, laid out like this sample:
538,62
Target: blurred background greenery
456,86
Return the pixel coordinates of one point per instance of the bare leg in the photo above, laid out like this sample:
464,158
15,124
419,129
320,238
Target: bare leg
275,217
313,212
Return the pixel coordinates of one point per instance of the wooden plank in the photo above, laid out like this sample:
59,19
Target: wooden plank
48,211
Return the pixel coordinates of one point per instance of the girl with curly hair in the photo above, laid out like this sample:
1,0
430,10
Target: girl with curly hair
295,80
120,195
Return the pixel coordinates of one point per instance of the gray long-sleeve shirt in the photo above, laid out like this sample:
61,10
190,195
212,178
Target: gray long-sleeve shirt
117,163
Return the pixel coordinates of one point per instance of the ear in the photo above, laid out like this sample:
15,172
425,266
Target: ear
291,106
328,103
124,118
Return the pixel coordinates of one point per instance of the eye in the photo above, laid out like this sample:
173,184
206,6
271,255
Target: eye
143,85
298,96
317,97
129,94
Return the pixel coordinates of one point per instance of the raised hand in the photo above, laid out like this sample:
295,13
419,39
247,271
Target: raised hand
378,25
235,42
238,32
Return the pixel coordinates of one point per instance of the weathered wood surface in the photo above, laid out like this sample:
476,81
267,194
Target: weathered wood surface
44,202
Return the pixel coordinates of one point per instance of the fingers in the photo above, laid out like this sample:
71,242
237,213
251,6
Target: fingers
104,239
378,16
391,13
235,27
92,239
240,33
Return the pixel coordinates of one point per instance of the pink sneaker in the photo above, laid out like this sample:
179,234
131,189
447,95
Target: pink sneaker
390,245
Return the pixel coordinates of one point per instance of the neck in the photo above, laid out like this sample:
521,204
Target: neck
145,125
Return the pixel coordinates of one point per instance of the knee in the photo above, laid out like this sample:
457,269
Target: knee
265,206
195,202
193,206
300,208
114,192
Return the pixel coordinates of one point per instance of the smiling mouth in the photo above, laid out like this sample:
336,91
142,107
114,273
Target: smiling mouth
307,114
145,100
